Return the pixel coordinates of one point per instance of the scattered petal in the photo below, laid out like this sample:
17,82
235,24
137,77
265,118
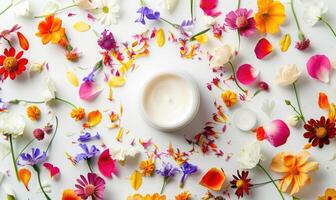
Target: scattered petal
81,26
53,170
323,101
160,37
24,44
89,91
247,74
285,42
276,133
69,194
263,48
72,78
24,176
106,165
136,180
94,118
319,67
213,179
116,81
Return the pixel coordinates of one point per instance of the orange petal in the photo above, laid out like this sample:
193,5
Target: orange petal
24,176
213,179
323,101
263,48
69,194
278,164
23,41
94,118
309,166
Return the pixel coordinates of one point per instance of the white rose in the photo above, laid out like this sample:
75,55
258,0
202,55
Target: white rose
293,120
85,4
313,11
221,55
49,92
250,155
11,124
22,9
120,153
287,75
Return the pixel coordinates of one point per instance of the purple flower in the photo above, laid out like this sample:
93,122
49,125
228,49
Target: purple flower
187,169
87,137
107,41
88,153
167,171
144,11
34,158
240,20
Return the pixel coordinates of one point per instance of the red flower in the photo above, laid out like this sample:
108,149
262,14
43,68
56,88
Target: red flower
242,183
320,131
11,64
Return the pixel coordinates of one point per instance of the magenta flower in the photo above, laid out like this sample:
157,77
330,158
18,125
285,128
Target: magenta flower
242,21
93,187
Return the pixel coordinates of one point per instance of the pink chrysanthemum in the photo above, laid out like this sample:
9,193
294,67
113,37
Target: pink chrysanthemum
240,20
93,187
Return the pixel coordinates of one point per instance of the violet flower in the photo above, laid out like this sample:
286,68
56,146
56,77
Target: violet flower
34,158
88,137
87,155
148,13
167,171
187,169
107,41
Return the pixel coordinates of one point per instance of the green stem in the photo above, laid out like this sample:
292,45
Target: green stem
272,180
89,164
264,183
298,103
57,11
192,9
8,7
170,23
13,157
52,139
238,33
296,19
37,169
142,3
9,43
238,6
16,101
328,25
235,78
192,38
165,182
65,101
24,148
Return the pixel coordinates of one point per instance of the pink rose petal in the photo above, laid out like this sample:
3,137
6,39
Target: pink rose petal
107,166
277,133
53,170
247,74
209,6
319,67
89,91
263,48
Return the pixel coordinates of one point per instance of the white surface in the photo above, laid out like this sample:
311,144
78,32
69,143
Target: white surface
118,188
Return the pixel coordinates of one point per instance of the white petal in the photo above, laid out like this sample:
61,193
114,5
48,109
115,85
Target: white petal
245,119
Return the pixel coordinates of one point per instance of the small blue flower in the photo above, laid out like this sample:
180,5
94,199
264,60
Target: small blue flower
144,11
168,170
87,153
88,137
187,169
34,158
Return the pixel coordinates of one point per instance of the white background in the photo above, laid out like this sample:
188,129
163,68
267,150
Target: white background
26,87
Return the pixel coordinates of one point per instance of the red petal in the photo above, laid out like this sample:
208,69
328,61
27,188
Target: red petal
107,166
263,48
23,41
11,52
53,170
12,75
213,179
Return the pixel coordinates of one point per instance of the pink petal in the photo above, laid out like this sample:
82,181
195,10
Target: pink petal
53,170
263,48
89,91
246,74
208,7
107,166
319,67
277,133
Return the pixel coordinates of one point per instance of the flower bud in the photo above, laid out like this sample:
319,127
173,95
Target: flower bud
38,134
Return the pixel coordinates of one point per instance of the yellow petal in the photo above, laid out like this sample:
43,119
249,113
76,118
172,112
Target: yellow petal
24,176
285,42
116,81
81,26
72,78
160,37
203,38
94,118
136,180
120,134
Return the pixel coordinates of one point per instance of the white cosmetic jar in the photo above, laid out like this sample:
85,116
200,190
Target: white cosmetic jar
169,99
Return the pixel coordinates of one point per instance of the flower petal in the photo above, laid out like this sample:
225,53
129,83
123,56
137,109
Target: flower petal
263,48
24,44
72,78
277,133
247,74
160,37
53,170
319,67
94,118
213,179
24,176
69,194
81,26
285,42
106,165
136,180
323,101
89,91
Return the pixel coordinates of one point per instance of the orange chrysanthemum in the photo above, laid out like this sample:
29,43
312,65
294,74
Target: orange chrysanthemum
329,194
33,112
270,15
69,194
296,168
147,167
77,113
51,30
183,196
229,98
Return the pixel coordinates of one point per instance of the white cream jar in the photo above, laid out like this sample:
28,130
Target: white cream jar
169,100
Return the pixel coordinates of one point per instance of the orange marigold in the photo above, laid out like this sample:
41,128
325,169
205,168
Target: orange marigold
329,194
51,30
229,98
33,112
77,113
147,167
69,194
183,196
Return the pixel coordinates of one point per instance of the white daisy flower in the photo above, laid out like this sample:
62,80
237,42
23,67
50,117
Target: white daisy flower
313,12
107,11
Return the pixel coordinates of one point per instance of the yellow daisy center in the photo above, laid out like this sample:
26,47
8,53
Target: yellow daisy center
239,183
106,9
321,132
10,63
